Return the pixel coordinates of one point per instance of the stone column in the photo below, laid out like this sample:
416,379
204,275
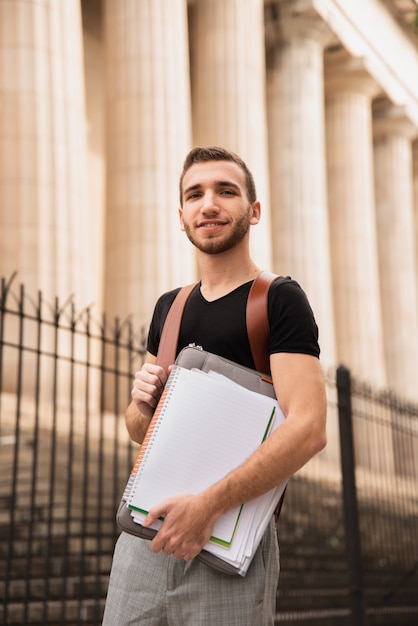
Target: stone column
358,315
49,233
297,161
295,102
393,134
148,136
415,184
228,93
359,335
45,220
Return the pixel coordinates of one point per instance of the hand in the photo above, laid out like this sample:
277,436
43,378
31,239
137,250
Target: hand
187,526
147,387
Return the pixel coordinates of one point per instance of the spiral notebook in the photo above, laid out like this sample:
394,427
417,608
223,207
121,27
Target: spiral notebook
229,557
205,425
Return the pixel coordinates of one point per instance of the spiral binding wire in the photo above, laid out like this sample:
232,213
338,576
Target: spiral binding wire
150,435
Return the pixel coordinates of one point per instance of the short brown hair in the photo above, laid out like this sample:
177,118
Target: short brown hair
215,153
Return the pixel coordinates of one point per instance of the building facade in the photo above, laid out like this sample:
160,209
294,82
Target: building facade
100,100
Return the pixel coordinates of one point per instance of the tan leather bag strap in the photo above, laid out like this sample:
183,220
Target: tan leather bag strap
167,348
257,320
258,327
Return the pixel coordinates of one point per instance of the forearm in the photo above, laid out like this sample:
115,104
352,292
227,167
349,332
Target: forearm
300,389
137,422
278,458
189,519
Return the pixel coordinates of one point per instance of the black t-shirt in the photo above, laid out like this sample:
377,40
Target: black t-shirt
219,326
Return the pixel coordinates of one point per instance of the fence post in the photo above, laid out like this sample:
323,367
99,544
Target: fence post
351,520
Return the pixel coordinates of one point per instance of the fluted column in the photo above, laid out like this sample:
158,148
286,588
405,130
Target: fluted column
45,220
415,188
393,134
297,161
357,307
148,135
228,93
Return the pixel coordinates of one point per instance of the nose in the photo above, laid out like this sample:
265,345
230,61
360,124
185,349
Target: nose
209,201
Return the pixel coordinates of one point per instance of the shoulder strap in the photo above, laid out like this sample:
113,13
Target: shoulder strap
256,318
166,354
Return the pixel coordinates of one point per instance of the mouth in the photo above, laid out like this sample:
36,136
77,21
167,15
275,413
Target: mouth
208,225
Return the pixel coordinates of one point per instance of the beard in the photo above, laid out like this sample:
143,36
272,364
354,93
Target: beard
215,245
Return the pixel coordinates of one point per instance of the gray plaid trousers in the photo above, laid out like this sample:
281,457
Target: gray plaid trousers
157,590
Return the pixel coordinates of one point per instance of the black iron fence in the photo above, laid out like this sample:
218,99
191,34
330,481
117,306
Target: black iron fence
349,526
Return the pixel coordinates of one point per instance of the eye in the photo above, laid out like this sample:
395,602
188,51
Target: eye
193,196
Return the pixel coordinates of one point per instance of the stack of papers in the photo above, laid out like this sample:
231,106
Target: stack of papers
205,426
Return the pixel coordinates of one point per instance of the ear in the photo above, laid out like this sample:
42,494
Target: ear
181,219
256,213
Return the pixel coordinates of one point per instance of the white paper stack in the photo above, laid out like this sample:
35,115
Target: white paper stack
204,427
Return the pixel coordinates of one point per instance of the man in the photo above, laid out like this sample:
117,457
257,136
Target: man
160,582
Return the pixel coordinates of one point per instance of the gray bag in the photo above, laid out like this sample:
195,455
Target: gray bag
193,357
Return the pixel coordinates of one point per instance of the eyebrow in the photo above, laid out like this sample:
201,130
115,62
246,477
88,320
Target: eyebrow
218,183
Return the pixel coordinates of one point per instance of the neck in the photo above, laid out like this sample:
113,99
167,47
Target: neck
222,273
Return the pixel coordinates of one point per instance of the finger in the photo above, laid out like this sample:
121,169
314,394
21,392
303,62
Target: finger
148,394
180,554
183,553
158,511
158,544
154,374
148,386
150,519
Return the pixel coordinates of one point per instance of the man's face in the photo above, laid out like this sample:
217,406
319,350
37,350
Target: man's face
216,213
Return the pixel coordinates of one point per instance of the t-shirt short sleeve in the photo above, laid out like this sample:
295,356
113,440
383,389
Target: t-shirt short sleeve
219,326
292,323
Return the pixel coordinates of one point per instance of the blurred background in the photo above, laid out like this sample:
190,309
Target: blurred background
100,101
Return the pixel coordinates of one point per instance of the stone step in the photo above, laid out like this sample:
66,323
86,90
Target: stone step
61,512
24,493
395,616
71,612
72,544
55,588
56,565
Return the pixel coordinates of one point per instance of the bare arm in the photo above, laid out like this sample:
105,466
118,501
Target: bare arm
300,389
146,391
